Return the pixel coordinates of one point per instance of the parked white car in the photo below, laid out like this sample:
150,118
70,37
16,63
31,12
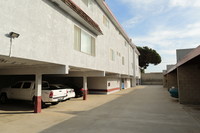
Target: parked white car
70,91
25,90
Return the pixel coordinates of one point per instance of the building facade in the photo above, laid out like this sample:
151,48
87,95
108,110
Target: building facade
72,38
184,75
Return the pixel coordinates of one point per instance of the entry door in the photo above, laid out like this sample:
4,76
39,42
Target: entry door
122,83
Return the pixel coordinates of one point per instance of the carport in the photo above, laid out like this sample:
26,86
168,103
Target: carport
85,74
186,76
19,66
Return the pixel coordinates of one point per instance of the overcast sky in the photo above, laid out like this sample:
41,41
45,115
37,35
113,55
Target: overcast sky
164,25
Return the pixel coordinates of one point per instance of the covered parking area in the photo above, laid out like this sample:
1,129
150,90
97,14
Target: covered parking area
13,69
77,78
185,75
93,81
18,69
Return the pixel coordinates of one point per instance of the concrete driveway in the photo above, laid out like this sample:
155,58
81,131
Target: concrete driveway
143,109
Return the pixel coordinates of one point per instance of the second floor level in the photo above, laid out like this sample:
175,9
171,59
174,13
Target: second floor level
49,33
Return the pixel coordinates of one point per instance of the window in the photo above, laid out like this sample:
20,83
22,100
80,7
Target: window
27,85
125,43
123,60
112,55
77,38
105,21
17,85
86,43
119,54
88,3
83,41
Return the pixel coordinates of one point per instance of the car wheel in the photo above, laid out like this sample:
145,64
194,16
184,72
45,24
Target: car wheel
54,103
3,98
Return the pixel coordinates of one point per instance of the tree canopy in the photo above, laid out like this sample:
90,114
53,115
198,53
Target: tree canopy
148,56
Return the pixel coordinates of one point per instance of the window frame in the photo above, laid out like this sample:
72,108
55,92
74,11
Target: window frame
78,41
123,60
112,55
106,21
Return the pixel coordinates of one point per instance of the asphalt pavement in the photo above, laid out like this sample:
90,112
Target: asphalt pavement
147,109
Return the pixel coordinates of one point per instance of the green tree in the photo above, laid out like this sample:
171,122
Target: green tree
148,56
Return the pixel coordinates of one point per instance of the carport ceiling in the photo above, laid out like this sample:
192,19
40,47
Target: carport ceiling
78,69
9,62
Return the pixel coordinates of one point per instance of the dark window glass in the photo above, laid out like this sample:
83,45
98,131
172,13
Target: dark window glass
17,85
26,85
45,85
54,87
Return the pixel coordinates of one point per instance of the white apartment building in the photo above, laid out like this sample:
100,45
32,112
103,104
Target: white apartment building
72,38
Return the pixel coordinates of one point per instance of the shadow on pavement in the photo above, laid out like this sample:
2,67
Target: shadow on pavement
71,112
15,106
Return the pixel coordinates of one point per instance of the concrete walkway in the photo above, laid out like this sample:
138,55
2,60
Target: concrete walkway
143,109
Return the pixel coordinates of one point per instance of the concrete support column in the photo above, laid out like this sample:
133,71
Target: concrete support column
120,83
38,92
85,87
133,84
189,83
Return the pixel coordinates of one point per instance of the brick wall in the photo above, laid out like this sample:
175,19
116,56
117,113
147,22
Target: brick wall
152,78
189,84
172,79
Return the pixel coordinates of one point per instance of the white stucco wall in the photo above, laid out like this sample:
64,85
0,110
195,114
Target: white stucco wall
44,32
103,83
113,83
136,66
128,83
47,34
111,39
97,83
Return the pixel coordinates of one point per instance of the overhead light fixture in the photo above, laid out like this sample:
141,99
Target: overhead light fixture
13,35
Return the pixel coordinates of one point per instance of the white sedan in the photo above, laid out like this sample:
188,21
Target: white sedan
69,91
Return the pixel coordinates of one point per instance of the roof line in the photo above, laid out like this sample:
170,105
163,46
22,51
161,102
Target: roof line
82,14
129,40
194,53
116,23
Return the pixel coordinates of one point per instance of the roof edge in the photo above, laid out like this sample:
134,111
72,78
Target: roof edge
69,6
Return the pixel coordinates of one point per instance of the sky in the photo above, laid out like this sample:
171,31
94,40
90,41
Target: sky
163,25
